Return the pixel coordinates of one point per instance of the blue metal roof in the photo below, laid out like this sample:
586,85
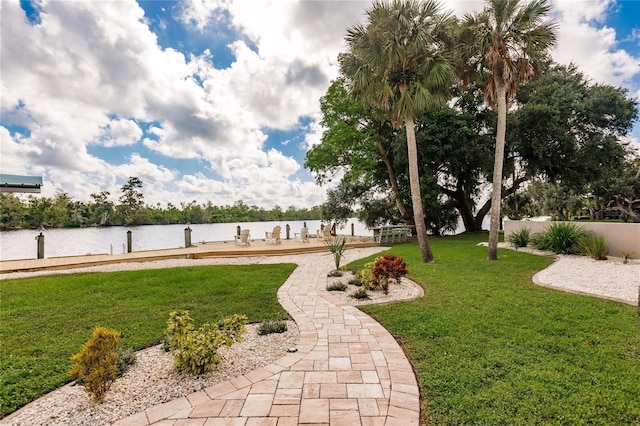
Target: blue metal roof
16,183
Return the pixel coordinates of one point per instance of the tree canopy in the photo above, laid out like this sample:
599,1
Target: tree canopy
455,151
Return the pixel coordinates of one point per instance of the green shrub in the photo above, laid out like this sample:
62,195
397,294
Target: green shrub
271,327
520,238
356,280
96,365
335,273
360,293
626,255
126,358
337,246
366,275
336,286
178,326
195,351
560,238
594,246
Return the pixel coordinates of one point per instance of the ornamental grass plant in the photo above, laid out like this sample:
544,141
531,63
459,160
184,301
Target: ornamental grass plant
560,238
594,246
337,245
520,238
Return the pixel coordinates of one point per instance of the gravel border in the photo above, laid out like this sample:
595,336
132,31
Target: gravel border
607,279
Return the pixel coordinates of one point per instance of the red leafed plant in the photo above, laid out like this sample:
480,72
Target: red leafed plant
388,267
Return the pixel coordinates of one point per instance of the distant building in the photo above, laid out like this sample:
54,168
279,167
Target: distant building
15,183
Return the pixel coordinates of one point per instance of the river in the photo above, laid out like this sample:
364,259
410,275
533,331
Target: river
21,244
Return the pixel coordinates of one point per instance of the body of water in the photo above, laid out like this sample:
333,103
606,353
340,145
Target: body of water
22,244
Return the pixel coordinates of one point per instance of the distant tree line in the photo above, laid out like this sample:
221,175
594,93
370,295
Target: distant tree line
62,211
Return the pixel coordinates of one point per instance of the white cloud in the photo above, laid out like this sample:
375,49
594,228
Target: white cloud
201,13
93,73
592,46
120,132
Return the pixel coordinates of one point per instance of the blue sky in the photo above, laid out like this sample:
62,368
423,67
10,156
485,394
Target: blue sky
211,100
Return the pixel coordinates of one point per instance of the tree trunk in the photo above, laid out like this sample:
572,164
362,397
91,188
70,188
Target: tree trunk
496,195
416,199
465,208
394,183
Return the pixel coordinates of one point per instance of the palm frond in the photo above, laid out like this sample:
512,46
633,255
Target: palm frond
507,41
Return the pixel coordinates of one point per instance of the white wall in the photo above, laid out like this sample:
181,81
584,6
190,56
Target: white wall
620,237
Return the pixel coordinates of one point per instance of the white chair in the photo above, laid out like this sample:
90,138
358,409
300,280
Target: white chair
324,233
303,235
273,237
244,239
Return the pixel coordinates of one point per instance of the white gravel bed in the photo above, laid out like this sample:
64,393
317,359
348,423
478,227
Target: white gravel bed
608,279
404,290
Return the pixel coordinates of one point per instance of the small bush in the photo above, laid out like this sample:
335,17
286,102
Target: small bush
594,246
126,358
366,275
520,238
626,255
96,365
271,327
560,238
360,293
388,268
336,286
335,273
356,281
195,351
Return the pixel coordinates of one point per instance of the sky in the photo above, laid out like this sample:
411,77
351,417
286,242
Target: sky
212,100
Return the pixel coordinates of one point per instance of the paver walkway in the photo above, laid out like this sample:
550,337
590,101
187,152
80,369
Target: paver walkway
348,369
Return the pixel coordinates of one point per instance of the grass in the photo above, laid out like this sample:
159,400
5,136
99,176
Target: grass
45,320
491,348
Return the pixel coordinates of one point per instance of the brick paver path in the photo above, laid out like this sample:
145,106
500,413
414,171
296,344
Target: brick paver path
348,369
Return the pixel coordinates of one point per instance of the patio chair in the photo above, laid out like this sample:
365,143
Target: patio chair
273,237
244,239
324,233
303,235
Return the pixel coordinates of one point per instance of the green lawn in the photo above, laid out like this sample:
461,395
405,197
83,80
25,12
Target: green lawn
45,320
491,348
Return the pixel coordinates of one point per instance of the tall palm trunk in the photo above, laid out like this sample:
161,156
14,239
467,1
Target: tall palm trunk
496,196
416,199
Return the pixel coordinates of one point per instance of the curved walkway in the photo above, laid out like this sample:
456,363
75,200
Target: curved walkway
348,370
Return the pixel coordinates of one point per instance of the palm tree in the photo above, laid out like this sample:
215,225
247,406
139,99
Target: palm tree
399,64
504,45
